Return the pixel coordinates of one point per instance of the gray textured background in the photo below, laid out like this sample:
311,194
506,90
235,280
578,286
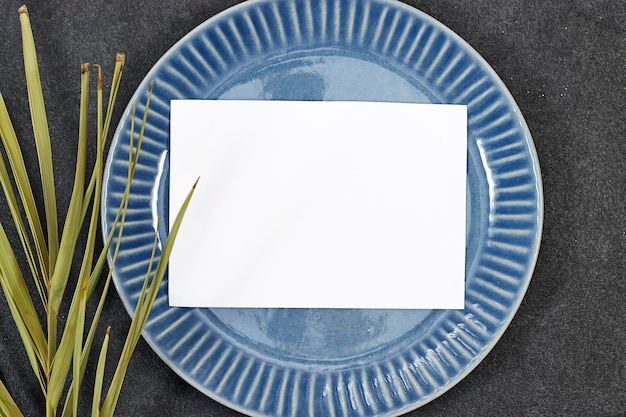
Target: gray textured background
565,64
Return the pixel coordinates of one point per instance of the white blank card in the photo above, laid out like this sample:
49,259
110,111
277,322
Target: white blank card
318,204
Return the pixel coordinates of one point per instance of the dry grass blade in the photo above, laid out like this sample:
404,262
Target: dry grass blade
142,312
95,174
103,126
138,321
87,274
50,262
73,221
21,306
97,390
21,229
62,366
78,346
26,338
42,134
22,182
120,59
66,341
8,408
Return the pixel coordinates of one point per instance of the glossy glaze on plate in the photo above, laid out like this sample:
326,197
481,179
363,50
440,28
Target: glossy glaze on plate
309,362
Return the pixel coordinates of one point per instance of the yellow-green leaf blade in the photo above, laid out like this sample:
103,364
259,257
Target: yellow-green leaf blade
78,348
8,408
22,182
141,315
14,208
97,391
73,221
42,134
21,305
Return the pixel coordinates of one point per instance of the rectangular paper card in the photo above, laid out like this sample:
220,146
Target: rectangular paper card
318,204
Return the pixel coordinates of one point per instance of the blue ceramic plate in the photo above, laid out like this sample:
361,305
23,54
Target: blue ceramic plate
307,362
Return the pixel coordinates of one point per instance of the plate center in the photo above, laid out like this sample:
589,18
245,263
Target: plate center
323,336
322,74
